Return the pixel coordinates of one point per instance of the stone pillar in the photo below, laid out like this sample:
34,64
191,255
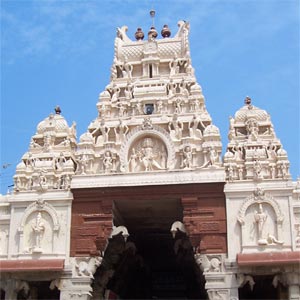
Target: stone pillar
75,288
221,283
293,281
12,287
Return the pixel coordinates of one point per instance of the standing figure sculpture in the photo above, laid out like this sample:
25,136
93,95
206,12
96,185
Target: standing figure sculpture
175,128
260,218
148,158
38,228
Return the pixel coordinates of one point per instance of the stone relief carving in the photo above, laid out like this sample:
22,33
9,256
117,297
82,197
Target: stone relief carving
175,128
39,227
261,220
86,266
209,263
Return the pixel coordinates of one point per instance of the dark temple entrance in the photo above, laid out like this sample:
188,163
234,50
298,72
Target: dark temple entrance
151,264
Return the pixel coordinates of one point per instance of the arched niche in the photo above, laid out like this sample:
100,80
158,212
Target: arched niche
141,141
261,220
29,241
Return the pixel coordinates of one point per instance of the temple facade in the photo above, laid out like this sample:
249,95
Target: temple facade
143,205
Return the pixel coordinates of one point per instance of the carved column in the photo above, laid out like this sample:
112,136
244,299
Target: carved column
220,283
75,288
12,287
293,280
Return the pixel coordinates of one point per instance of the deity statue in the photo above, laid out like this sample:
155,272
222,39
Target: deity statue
171,88
260,218
38,228
101,133
127,69
108,162
175,128
133,160
121,132
174,67
187,161
60,161
213,156
194,130
116,94
252,130
148,158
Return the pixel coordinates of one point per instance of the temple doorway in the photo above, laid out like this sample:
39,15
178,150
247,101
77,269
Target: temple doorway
150,263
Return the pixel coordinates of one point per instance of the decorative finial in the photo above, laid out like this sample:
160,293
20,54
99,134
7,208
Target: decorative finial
57,110
248,100
165,32
152,15
139,35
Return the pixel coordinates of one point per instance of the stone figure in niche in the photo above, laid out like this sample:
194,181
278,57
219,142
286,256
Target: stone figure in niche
122,109
174,66
260,218
230,173
60,161
127,69
84,162
17,183
30,162
238,153
171,88
257,168
108,162
101,133
48,142
133,160
252,130
38,228
178,102
148,157
160,107
103,111
29,183
187,161
194,127
116,94
121,132
213,156
183,88
195,105
282,169
175,128
271,151
42,179
241,172
128,92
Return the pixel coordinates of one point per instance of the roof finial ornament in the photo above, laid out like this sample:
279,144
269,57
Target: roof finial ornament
57,110
152,15
248,102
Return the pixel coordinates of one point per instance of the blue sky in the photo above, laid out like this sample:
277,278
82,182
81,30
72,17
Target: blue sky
60,52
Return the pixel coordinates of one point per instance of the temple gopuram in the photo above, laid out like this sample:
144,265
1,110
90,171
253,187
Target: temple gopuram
143,205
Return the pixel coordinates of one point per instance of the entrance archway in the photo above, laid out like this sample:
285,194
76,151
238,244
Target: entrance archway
150,264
